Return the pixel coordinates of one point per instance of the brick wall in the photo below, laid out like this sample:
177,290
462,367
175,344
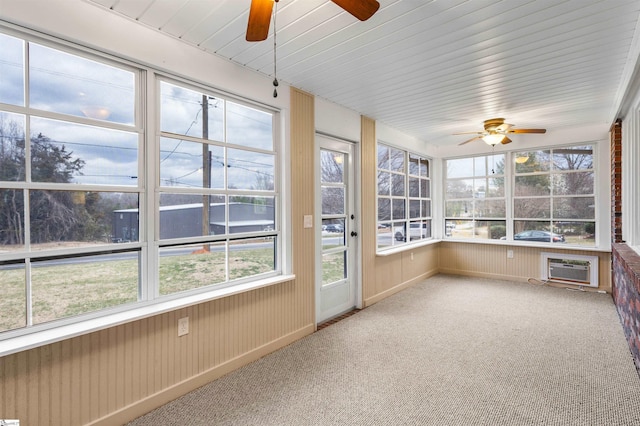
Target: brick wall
616,182
625,280
626,294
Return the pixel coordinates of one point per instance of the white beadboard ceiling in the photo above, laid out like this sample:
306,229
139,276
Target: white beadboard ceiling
430,68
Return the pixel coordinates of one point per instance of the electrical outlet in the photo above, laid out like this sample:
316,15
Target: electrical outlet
509,254
183,326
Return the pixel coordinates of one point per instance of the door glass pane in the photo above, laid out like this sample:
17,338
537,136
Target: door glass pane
333,200
331,238
334,226
331,167
333,267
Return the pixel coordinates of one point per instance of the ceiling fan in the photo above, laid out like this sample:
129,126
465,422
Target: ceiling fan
495,132
260,14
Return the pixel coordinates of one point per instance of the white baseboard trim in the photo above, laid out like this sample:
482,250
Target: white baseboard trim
378,297
158,399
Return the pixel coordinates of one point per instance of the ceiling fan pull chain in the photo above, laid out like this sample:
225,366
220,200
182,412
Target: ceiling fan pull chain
275,67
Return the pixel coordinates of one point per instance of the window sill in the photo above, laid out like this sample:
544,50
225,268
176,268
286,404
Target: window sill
406,247
561,246
51,335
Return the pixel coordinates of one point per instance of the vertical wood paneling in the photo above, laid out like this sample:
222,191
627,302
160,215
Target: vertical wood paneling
491,261
302,195
368,180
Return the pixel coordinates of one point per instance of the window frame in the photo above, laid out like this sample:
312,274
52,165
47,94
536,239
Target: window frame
146,126
510,197
426,220
473,198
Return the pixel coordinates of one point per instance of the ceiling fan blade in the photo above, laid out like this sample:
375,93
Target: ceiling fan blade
505,141
259,20
504,127
527,131
470,140
361,9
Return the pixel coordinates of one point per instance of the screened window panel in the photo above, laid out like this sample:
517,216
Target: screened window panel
532,207
73,153
70,84
191,113
12,70
249,127
13,303
80,285
191,164
12,147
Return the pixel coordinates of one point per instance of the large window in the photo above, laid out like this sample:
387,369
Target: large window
551,199
553,196
404,197
475,204
88,224
70,139
217,201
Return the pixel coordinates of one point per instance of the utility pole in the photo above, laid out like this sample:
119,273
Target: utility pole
206,170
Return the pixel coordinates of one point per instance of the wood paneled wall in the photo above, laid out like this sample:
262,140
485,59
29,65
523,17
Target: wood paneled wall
490,260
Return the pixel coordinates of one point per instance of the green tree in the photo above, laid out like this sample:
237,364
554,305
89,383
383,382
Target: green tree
53,214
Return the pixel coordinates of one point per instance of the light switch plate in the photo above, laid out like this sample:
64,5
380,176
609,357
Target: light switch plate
308,221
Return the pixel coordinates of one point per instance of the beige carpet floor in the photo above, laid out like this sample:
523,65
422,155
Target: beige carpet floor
448,351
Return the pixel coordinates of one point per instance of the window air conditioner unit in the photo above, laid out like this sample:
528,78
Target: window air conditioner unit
573,269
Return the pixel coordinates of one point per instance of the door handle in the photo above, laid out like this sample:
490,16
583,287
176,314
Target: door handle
354,234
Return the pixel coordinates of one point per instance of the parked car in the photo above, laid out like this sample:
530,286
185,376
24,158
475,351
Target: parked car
334,227
541,236
416,232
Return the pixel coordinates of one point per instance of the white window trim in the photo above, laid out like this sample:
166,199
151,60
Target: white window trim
148,305
408,245
600,168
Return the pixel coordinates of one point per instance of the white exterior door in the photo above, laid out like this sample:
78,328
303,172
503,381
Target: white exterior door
336,228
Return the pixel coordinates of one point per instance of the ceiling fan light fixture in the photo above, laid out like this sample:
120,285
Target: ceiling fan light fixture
493,138
521,159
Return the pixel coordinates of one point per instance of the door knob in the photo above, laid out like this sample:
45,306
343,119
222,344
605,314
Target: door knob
354,234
